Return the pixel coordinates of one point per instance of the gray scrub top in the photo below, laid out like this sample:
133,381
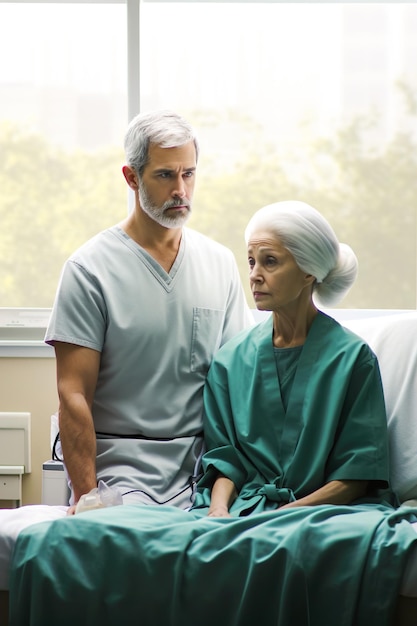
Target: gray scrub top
157,333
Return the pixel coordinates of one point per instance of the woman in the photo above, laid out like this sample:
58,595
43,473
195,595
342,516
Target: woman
295,411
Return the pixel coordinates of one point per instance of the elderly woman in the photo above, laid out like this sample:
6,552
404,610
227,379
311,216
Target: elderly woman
292,524
295,407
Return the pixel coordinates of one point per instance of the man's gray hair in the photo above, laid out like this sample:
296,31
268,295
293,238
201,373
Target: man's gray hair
308,236
163,128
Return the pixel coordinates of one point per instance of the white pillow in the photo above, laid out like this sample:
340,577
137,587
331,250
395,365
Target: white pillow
393,338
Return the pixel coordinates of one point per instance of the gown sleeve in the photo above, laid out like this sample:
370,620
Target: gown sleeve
223,454
360,450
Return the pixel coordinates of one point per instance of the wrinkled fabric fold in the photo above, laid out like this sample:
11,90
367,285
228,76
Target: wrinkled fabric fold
149,565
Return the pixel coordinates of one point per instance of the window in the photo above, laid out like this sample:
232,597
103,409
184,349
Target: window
316,102
63,112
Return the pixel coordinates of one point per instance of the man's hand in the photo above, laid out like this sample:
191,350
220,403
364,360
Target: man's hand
71,509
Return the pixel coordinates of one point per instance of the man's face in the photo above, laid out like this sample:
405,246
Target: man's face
167,184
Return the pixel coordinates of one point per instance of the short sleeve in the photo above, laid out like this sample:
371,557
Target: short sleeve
79,312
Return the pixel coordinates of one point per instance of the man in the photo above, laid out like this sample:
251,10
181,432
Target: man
140,311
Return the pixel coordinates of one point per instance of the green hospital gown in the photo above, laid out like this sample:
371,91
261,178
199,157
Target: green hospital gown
334,427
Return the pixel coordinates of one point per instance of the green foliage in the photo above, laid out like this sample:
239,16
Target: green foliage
52,201
369,197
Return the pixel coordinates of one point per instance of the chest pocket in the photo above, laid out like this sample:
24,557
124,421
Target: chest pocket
206,339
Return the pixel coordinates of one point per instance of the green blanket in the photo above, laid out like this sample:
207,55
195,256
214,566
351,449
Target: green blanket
160,566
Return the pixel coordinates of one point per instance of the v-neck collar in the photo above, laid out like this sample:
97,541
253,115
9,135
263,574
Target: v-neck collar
290,427
166,279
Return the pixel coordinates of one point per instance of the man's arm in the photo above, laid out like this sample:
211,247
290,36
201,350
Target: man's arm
77,372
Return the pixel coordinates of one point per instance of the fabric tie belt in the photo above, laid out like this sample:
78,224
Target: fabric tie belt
281,495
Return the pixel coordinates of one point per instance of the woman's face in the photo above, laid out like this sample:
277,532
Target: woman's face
276,280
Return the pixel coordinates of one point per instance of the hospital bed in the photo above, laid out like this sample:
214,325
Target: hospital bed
393,337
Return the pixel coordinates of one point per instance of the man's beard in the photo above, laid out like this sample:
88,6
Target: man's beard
157,213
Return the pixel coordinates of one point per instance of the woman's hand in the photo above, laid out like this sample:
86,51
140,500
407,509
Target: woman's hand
222,496
218,511
334,492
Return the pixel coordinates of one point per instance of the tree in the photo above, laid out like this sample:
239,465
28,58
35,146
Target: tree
52,201
369,197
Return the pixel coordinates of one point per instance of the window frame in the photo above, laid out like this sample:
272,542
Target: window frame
33,346
19,337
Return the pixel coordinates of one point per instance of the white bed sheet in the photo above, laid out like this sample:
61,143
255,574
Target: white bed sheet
12,522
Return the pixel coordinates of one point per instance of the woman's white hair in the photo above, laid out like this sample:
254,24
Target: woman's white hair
308,236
